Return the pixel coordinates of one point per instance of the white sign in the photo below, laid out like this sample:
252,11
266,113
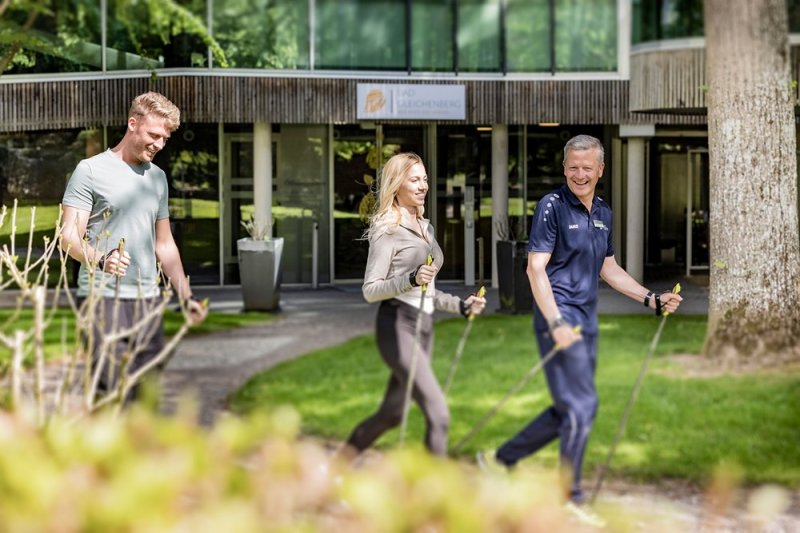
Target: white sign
443,102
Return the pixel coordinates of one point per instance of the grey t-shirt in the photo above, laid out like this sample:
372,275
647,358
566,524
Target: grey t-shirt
135,197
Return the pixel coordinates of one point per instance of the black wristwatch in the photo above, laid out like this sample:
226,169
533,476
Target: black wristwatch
101,263
647,298
412,278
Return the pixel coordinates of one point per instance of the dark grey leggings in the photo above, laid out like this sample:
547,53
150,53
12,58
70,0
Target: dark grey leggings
395,335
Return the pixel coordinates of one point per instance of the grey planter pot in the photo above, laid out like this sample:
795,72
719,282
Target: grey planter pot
260,273
513,286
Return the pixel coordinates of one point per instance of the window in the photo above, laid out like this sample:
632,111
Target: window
479,35
528,35
586,35
66,38
263,33
147,35
360,35
432,35
654,20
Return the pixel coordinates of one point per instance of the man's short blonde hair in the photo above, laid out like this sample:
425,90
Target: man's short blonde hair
157,104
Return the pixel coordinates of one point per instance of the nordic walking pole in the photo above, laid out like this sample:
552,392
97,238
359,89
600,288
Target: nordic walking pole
121,251
631,400
414,356
461,343
516,388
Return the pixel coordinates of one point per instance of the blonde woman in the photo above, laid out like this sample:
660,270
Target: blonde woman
400,240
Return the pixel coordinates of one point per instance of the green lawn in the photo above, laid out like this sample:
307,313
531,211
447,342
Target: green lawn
172,322
681,427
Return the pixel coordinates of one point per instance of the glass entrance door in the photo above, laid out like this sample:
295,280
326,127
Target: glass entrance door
237,196
697,204
678,204
358,153
464,159
300,204
300,194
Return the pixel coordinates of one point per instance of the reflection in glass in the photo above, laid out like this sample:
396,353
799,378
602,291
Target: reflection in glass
361,34
263,33
64,38
300,201
666,19
146,35
479,35
432,35
34,169
464,160
545,152
528,35
678,163
191,162
355,167
586,35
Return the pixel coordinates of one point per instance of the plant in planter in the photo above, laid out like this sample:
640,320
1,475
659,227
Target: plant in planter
514,288
260,266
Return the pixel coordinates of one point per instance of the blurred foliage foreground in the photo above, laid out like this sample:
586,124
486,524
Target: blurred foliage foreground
142,472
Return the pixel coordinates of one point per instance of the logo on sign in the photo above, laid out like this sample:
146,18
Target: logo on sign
375,101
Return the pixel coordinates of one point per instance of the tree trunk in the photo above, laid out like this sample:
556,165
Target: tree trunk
754,309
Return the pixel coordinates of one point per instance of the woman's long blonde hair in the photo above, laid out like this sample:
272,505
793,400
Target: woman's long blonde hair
386,216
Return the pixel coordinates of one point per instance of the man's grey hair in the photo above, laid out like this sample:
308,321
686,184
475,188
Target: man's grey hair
584,142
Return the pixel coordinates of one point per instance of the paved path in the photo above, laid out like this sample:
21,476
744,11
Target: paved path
214,366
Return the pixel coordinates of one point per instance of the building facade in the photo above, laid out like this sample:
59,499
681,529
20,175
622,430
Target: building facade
303,100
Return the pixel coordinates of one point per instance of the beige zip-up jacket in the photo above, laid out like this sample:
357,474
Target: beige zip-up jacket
393,256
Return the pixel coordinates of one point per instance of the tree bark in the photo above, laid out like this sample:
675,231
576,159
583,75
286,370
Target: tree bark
754,309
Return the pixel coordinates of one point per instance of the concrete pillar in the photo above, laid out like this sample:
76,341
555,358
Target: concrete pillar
499,189
617,190
634,220
262,173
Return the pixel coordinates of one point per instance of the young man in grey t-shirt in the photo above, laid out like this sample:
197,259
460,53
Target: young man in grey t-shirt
121,194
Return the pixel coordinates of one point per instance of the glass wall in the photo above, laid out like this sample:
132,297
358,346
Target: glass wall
34,170
395,35
529,35
432,35
191,161
586,35
464,160
355,167
545,159
155,34
479,35
673,160
654,20
561,35
361,34
262,33
300,201
64,38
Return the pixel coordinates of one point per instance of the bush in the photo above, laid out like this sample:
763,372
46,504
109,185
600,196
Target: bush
141,472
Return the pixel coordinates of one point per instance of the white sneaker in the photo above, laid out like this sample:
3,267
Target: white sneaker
585,515
487,461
